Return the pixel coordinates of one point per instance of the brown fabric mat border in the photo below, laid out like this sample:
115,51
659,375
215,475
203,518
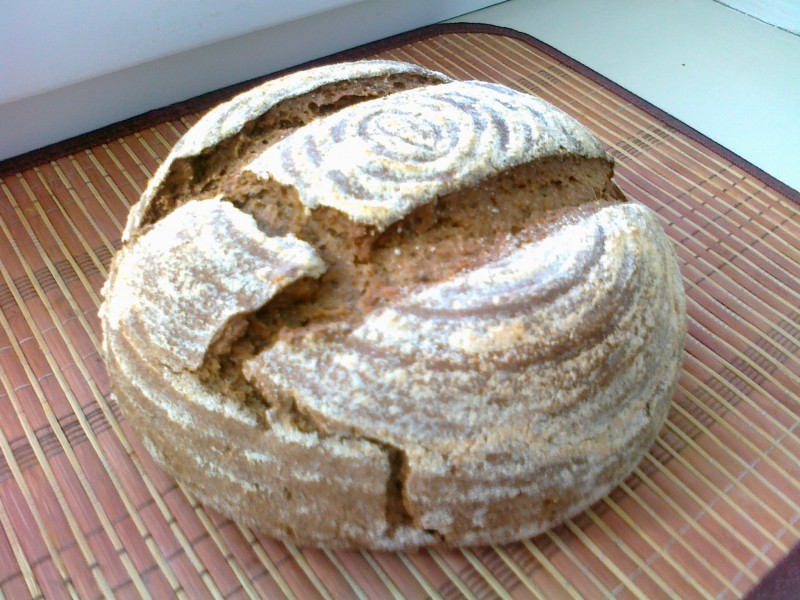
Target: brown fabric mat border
782,582
206,101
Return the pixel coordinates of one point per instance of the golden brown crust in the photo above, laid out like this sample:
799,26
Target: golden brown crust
279,351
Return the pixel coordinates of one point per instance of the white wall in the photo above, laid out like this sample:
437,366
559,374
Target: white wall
70,67
784,14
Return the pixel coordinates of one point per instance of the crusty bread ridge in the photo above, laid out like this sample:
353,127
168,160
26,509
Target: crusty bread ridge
335,85
365,305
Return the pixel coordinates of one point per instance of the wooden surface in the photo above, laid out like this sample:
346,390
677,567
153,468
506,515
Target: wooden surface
716,502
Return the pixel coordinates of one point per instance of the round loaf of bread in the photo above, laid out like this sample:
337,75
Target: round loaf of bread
366,305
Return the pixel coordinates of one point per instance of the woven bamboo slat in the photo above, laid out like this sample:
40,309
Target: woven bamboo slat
714,505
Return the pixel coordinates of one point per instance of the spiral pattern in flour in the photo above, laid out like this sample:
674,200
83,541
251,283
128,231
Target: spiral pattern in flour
380,159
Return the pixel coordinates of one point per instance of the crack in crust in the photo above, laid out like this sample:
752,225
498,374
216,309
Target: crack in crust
198,175
365,271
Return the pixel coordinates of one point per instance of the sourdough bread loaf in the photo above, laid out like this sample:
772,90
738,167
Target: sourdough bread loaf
365,305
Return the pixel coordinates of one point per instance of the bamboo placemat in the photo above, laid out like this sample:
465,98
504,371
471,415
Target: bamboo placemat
85,512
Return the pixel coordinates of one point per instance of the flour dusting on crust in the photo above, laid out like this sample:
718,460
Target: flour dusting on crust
480,400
